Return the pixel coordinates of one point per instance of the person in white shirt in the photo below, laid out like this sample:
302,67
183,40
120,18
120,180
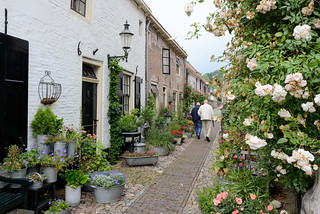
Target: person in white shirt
206,113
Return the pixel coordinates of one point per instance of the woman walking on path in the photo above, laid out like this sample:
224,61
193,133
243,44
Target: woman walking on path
196,120
206,113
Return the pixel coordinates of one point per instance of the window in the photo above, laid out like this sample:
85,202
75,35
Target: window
126,92
178,63
79,6
174,101
164,97
165,61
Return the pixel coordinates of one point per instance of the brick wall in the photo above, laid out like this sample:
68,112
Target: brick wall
54,32
172,82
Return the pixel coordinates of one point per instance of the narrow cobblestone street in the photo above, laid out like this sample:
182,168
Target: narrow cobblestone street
170,192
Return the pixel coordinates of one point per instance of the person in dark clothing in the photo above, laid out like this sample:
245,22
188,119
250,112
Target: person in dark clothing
196,120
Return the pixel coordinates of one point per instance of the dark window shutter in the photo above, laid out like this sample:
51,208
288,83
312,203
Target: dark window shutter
137,102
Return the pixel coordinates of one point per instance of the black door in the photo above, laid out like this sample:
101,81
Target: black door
13,92
89,107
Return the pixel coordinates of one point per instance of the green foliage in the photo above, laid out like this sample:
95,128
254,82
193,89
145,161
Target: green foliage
75,178
57,206
160,137
45,122
149,112
92,156
160,122
128,122
209,76
114,113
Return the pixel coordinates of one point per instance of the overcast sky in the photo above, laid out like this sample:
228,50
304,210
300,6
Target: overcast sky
171,15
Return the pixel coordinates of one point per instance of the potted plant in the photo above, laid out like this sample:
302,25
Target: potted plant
128,121
37,180
108,186
3,173
74,180
53,163
92,158
167,115
189,128
32,159
177,136
58,206
140,158
160,141
45,123
15,164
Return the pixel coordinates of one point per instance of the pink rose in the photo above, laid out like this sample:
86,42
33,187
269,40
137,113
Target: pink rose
253,196
238,200
269,208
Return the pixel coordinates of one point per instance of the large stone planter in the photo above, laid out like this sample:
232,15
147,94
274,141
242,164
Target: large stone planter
4,174
160,150
73,196
109,195
141,161
310,200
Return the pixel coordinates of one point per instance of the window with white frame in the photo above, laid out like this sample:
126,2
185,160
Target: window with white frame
174,100
79,6
165,61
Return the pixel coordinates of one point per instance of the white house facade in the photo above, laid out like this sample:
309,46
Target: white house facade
72,39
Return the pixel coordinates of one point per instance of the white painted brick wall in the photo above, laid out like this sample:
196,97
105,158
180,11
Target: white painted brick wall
53,34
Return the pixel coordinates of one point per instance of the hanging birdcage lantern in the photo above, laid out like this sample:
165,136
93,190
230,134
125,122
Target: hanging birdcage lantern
49,91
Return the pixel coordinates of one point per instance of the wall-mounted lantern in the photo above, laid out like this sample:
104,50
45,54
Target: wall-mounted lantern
126,37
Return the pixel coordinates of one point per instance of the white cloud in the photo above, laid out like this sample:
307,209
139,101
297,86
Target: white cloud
172,17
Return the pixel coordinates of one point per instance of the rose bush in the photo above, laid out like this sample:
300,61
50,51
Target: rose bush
272,81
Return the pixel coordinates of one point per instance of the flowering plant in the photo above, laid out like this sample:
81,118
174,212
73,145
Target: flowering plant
108,179
227,202
15,159
36,177
57,206
139,154
177,133
59,161
166,113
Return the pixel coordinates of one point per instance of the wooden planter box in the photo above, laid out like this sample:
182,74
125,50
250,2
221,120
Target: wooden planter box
141,161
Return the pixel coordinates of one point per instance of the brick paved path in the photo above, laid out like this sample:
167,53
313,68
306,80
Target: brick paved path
171,190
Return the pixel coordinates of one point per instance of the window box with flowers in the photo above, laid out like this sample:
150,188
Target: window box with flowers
140,159
177,134
108,186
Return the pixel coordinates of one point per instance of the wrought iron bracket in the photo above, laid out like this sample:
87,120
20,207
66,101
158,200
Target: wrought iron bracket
113,58
79,51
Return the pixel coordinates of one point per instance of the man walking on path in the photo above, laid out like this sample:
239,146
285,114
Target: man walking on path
196,120
206,113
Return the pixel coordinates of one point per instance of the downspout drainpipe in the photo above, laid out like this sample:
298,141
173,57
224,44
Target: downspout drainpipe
147,61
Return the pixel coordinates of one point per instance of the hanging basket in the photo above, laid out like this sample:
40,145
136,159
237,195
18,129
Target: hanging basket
49,91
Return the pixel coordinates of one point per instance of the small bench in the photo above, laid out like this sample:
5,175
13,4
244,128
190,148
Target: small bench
10,200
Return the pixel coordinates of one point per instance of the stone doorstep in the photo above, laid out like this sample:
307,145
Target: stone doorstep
21,211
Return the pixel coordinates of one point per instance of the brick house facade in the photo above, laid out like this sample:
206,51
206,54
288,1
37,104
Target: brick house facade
166,67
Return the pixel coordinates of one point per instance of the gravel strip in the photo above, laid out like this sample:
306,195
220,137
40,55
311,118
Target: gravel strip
138,180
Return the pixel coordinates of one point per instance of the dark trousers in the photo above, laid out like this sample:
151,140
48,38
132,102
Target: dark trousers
198,127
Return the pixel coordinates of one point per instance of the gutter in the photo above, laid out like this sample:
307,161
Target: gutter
147,61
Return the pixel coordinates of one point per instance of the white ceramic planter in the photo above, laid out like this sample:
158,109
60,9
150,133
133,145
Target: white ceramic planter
109,195
51,173
73,196
140,161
